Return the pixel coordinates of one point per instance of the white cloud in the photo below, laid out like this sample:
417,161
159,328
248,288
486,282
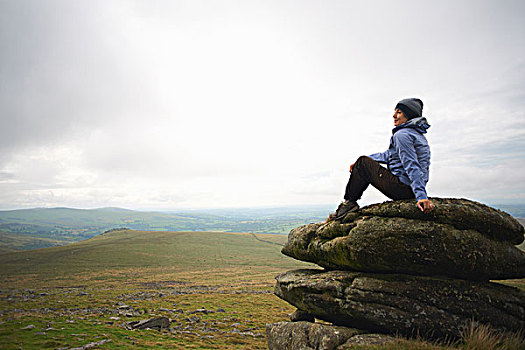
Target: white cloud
233,103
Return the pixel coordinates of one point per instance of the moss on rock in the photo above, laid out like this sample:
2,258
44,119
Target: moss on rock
404,304
461,213
391,237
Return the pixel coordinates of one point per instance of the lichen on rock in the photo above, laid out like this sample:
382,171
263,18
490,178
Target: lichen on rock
460,213
404,304
395,244
307,336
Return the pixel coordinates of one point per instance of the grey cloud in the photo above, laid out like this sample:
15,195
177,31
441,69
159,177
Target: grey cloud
493,154
62,72
6,176
70,70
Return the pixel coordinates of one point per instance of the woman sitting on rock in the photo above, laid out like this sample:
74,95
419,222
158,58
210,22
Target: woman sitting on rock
407,159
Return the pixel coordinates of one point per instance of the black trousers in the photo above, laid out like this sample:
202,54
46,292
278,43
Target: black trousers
367,171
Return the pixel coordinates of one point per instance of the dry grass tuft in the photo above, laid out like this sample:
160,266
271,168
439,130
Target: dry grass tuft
482,337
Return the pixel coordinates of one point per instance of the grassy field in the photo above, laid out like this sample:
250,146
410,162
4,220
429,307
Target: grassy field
217,289
75,295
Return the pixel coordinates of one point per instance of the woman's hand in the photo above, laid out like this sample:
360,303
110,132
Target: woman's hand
425,205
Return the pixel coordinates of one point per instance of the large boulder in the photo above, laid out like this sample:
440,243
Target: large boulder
402,304
463,214
317,336
388,244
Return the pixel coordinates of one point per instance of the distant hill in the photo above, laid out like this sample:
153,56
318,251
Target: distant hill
516,210
26,229
141,252
45,227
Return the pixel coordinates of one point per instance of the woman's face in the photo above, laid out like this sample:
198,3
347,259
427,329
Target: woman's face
399,117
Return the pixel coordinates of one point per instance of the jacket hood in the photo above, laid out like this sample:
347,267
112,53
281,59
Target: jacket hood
420,124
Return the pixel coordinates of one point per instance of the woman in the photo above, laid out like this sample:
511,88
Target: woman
407,159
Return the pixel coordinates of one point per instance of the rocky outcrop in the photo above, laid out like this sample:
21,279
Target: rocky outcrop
408,305
410,246
316,336
462,214
391,269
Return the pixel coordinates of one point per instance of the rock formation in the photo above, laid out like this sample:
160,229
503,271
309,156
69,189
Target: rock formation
400,245
310,336
391,269
435,307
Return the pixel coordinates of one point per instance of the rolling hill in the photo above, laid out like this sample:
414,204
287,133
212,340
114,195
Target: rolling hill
45,227
27,229
129,250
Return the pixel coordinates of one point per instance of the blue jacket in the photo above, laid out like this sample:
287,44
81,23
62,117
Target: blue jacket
408,156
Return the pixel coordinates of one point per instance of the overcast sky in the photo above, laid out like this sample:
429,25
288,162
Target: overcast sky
198,104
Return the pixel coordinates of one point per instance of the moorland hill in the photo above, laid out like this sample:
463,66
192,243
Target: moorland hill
46,227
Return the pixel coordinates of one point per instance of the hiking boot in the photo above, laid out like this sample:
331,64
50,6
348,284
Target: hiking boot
343,209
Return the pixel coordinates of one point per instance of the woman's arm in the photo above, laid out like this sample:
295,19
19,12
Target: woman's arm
381,157
404,146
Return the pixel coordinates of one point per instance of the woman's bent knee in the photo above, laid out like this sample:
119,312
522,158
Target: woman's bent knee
364,159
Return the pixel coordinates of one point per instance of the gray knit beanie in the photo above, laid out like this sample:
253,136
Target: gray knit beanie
411,107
